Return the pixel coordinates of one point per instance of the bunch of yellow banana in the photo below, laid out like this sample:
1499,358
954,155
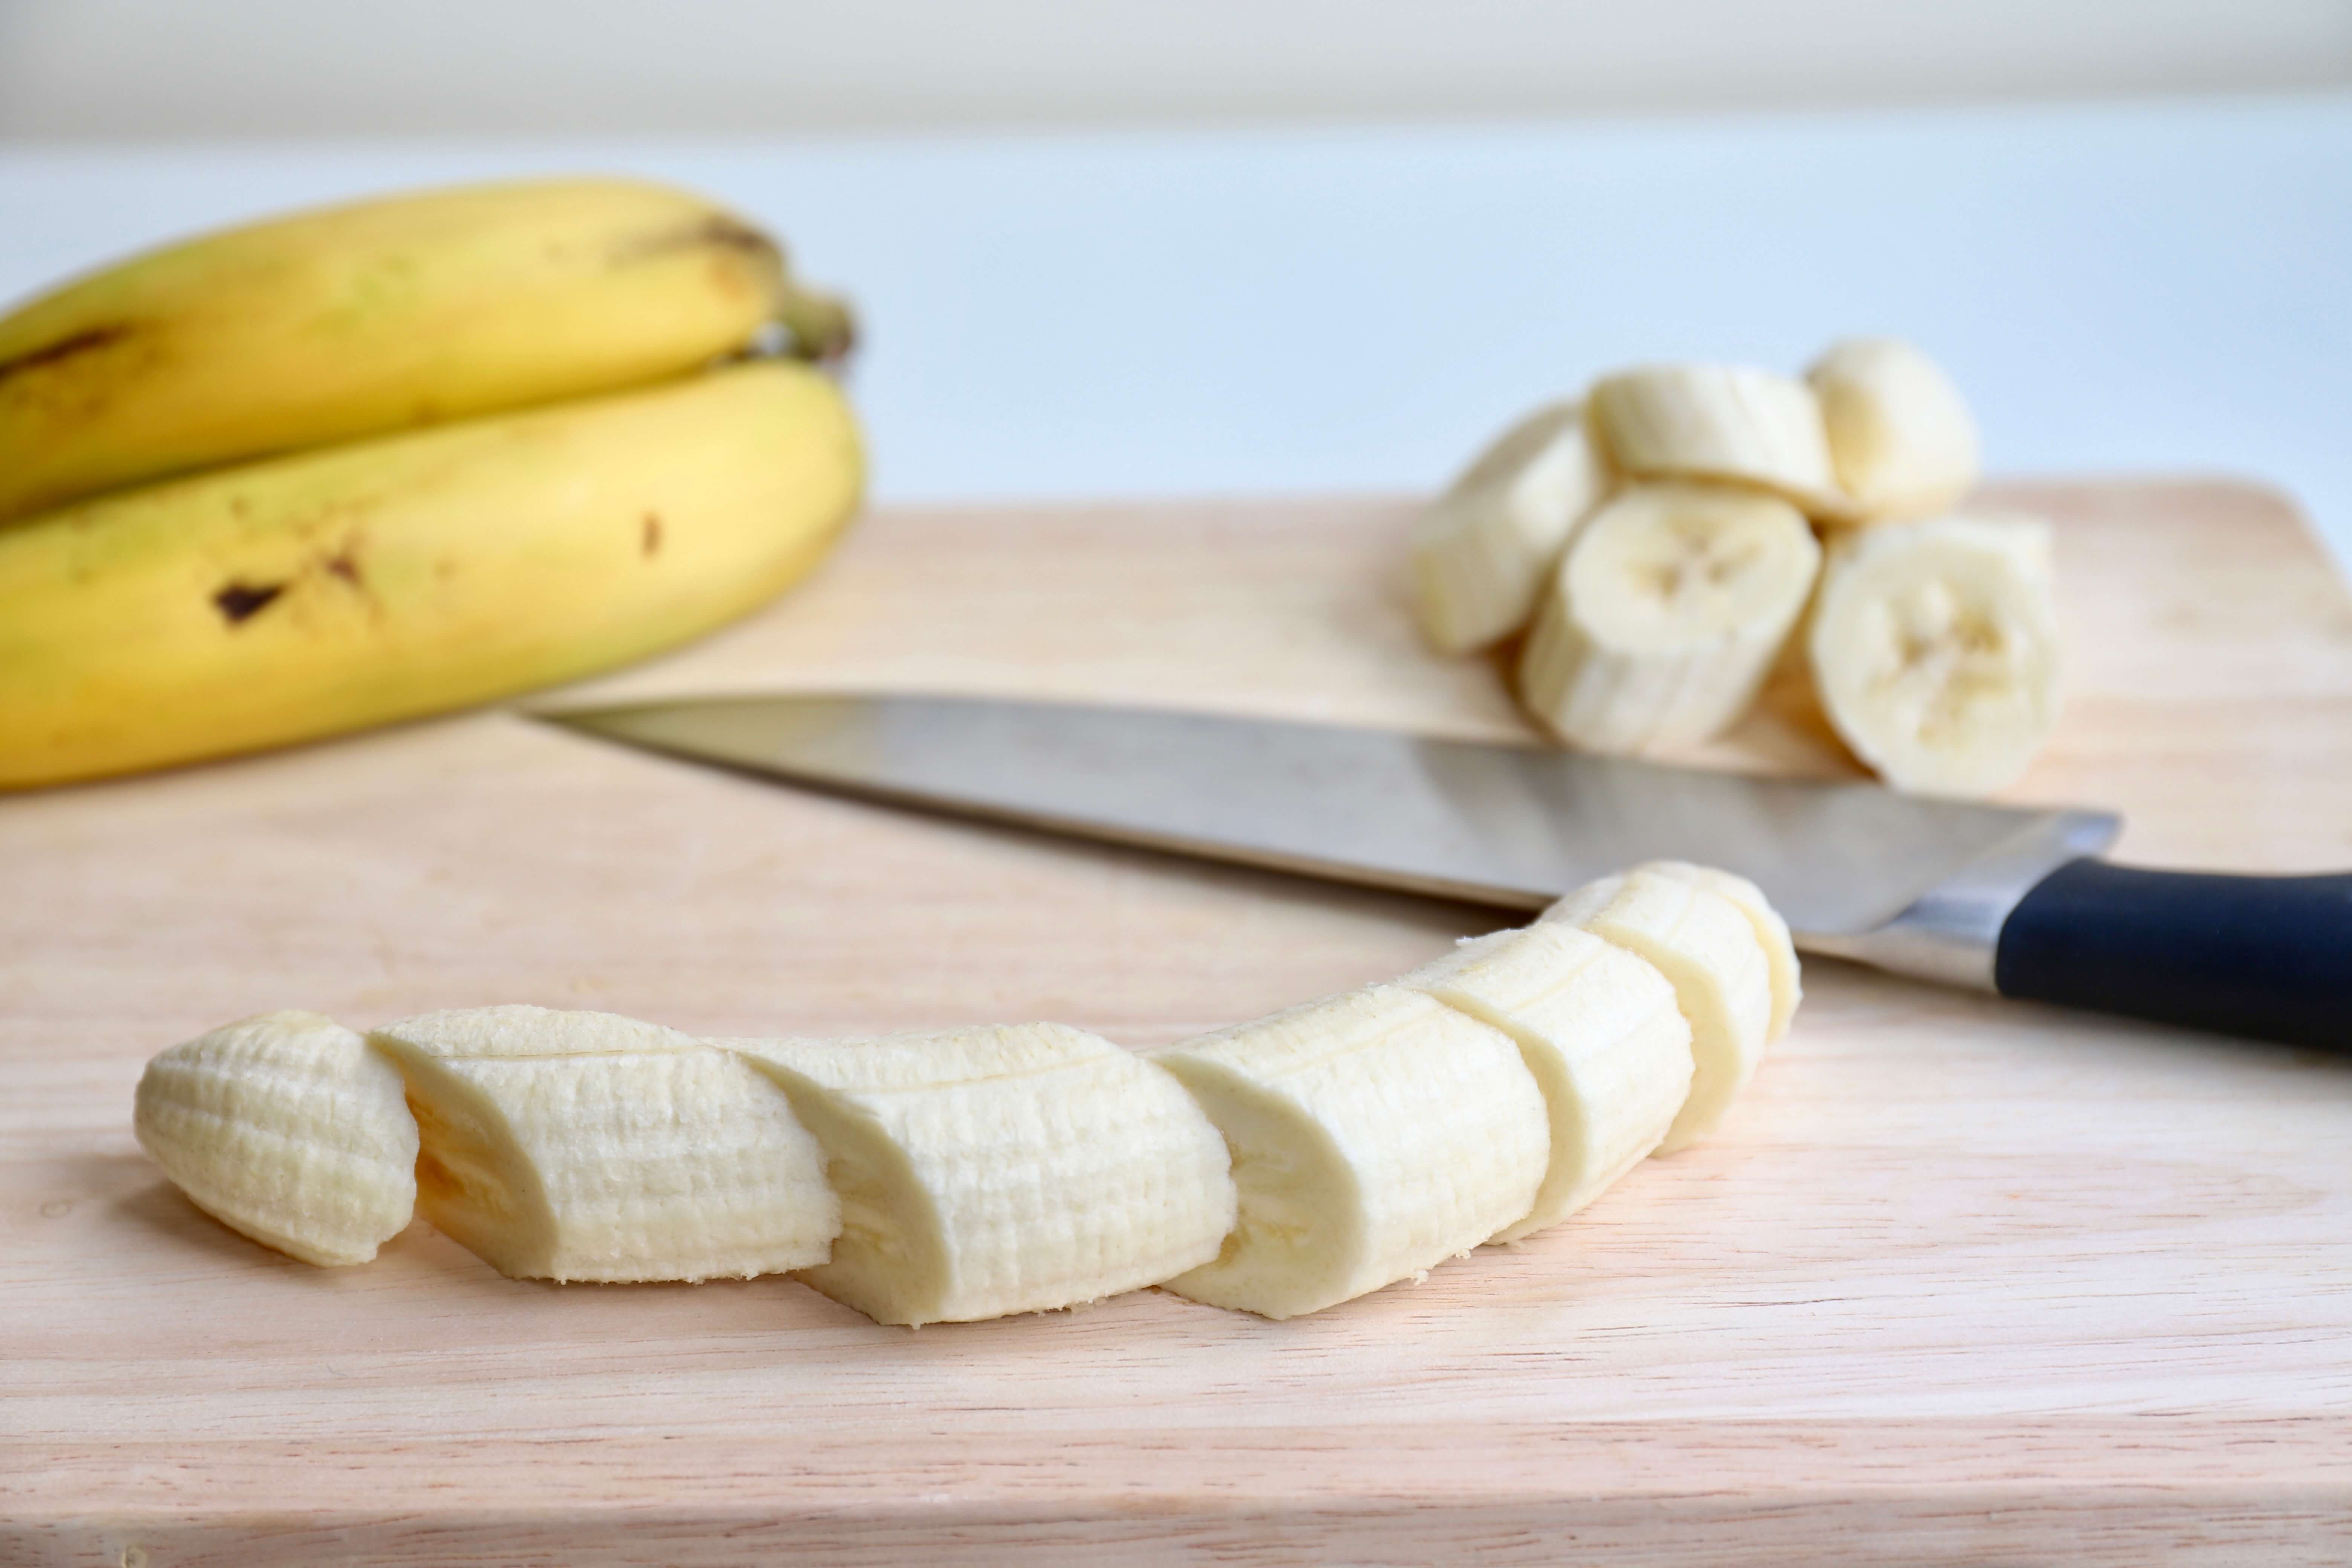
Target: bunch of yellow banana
374,461
1277,1167
1661,540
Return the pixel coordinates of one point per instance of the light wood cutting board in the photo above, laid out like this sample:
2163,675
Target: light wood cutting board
1961,1281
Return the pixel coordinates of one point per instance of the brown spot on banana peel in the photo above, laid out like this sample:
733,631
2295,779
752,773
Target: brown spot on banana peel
89,340
240,602
649,537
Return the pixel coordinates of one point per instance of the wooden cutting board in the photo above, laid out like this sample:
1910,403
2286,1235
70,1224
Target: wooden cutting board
1961,1281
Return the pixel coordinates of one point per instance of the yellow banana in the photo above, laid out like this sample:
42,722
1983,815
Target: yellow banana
378,316
320,591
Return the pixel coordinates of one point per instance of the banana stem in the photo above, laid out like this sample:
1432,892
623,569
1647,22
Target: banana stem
822,325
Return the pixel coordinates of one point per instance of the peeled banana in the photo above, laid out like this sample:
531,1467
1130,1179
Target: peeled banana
1600,1032
589,1146
1375,1135
1480,556
1933,648
991,1170
1664,618
1279,1166
288,1129
1901,440
357,320
1734,424
317,593
1708,950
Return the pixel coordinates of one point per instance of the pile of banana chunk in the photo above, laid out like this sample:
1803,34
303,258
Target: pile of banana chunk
1276,1167
1661,540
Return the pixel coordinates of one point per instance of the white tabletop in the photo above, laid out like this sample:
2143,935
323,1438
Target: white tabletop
2144,288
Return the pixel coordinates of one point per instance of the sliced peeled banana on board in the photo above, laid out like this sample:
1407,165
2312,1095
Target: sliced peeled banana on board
1653,615
288,1129
1668,612
1934,650
1480,557
590,1146
998,1170
1278,1167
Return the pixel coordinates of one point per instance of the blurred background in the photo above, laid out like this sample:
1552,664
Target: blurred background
1294,245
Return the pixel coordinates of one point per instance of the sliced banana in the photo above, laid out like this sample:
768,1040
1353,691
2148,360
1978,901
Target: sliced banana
1600,1031
1375,1135
990,1170
1480,556
1933,648
562,1145
1723,422
1703,943
1771,932
285,1127
1664,618
1901,440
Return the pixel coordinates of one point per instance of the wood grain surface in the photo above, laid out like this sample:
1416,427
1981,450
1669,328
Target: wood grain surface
1962,1281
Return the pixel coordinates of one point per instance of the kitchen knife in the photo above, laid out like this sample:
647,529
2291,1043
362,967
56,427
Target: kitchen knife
2000,899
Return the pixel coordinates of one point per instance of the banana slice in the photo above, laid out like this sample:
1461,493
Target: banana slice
1700,941
991,1170
1479,557
1933,648
1723,422
1771,932
1664,618
285,1128
1375,1135
588,1146
1901,440
1599,1030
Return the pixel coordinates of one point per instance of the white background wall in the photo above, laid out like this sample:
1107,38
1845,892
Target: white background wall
149,68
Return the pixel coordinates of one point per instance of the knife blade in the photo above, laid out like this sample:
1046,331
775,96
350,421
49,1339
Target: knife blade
1925,888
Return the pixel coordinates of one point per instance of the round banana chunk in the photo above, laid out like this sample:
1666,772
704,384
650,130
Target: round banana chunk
1901,436
1480,556
1374,1134
1701,942
1933,648
1725,422
285,1127
1602,1033
1006,1169
1771,930
562,1145
1664,618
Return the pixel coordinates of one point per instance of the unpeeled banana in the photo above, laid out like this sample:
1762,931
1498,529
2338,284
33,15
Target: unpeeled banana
355,320
307,594
1279,1166
602,473
1931,641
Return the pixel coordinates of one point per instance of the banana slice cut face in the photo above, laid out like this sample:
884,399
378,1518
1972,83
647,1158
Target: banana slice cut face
990,1170
566,1145
1374,1134
1901,437
1702,944
1771,933
1664,616
1480,555
1600,1032
285,1127
1731,422
1933,648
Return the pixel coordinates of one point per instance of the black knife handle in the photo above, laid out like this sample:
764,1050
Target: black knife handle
2268,957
